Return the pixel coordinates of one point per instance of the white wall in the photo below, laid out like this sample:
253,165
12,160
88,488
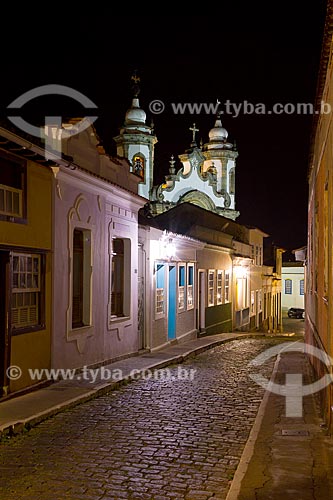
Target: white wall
296,274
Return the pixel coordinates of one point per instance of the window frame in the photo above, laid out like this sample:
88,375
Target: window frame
126,278
181,289
289,282
211,289
301,287
190,286
135,171
219,286
260,300
40,290
253,303
87,276
159,314
22,165
227,287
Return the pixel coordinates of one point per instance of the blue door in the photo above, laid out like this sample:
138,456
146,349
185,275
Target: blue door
172,303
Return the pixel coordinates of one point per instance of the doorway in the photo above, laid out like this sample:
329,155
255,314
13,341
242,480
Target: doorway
201,300
172,302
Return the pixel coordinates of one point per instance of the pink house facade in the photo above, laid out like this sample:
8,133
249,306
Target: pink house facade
95,257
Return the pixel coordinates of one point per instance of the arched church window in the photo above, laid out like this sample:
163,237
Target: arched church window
139,166
232,181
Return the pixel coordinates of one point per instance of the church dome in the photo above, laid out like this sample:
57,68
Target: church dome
135,114
218,133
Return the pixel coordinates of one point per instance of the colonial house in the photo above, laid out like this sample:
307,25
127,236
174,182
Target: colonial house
25,260
319,277
95,253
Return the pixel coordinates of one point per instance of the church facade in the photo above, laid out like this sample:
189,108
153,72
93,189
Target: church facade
206,178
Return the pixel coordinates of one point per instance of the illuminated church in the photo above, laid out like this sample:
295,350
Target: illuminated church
207,175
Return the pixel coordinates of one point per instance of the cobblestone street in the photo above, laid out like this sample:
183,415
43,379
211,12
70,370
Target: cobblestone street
150,439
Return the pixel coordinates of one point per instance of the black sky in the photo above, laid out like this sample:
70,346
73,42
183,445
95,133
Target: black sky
262,55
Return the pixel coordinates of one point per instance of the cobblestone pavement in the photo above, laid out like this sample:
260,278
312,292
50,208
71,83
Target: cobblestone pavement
293,325
151,439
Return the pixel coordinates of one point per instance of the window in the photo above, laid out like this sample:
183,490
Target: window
211,282
232,181
301,287
190,284
181,287
219,293
159,303
12,185
121,277
288,288
81,284
252,302
227,287
139,166
27,284
241,293
260,300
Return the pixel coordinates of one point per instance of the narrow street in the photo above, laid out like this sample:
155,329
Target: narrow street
293,325
151,439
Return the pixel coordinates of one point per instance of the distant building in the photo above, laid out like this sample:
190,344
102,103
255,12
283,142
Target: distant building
292,285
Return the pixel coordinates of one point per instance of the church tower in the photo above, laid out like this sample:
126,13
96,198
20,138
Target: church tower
220,155
136,142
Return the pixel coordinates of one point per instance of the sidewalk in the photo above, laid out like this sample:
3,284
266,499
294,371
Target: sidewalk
286,457
22,412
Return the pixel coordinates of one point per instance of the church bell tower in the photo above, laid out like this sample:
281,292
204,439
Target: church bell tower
136,142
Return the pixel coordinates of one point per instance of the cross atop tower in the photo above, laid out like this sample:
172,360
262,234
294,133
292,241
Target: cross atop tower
193,130
136,88
218,111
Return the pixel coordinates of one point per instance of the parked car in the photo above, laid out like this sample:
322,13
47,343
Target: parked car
296,312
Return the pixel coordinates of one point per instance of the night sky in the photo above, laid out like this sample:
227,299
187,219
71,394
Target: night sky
260,55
